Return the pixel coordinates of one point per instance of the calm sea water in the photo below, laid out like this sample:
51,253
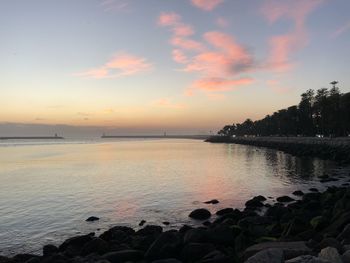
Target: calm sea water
48,189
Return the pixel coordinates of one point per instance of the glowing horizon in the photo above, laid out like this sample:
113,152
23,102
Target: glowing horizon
184,65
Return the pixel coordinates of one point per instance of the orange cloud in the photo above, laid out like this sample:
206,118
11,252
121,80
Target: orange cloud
206,5
187,44
122,64
219,84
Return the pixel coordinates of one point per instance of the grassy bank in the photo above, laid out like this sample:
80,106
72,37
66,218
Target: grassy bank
335,149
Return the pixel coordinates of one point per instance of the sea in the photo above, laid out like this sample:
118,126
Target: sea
48,188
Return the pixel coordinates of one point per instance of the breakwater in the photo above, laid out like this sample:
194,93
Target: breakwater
335,149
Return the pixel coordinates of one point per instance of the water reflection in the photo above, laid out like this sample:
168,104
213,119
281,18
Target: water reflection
47,191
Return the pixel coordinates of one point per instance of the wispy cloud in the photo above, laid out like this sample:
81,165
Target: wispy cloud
222,22
166,103
217,59
341,30
121,64
206,5
114,5
283,46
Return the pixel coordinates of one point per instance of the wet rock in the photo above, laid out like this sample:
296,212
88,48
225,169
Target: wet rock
313,189
165,246
24,257
142,222
196,251
330,242
298,193
284,199
224,211
254,203
290,249
123,256
49,250
200,214
345,234
271,255
76,242
213,202
216,256
221,234
92,219
166,223
330,254
117,233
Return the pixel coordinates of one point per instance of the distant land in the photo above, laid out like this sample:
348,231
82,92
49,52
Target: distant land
199,137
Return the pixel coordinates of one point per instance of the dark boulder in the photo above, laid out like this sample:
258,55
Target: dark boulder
298,193
76,242
49,250
92,218
213,202
224,211
117,233
96,245
254,203
123,256
165,246
200,214
196,251
150,230
284,199
142,222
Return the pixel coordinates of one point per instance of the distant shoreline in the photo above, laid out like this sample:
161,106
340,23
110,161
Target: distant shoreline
334,149
33,138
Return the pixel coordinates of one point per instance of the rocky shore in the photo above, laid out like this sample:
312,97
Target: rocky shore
301,227
335,149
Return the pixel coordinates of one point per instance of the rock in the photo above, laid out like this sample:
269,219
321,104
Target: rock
221,234
96,245
92,218
330,242
24,257
284,199
216,256
224,211
49,250
150,230
298,193
165,246
142,222
271,255
167,260
331,254
196,251
345,234
76,242
166,223
319,222
213,202
260,198
200,214
196,235
123,256
254,203
339,223
313,189
346,257
306,259
117,233
290,249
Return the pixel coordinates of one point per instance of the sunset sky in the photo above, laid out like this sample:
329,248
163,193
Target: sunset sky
181,66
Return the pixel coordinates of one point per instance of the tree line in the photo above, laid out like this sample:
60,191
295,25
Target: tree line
324,112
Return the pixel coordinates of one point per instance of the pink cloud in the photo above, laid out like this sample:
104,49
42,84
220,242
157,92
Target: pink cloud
179,56
187,44
283,46
183,30
206,5
277,87
122,64
169,19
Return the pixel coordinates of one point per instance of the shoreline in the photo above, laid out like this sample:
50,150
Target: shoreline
295,225
334,149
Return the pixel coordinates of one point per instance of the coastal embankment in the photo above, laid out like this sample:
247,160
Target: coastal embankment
335,149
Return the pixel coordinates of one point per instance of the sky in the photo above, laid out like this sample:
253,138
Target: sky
180,66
